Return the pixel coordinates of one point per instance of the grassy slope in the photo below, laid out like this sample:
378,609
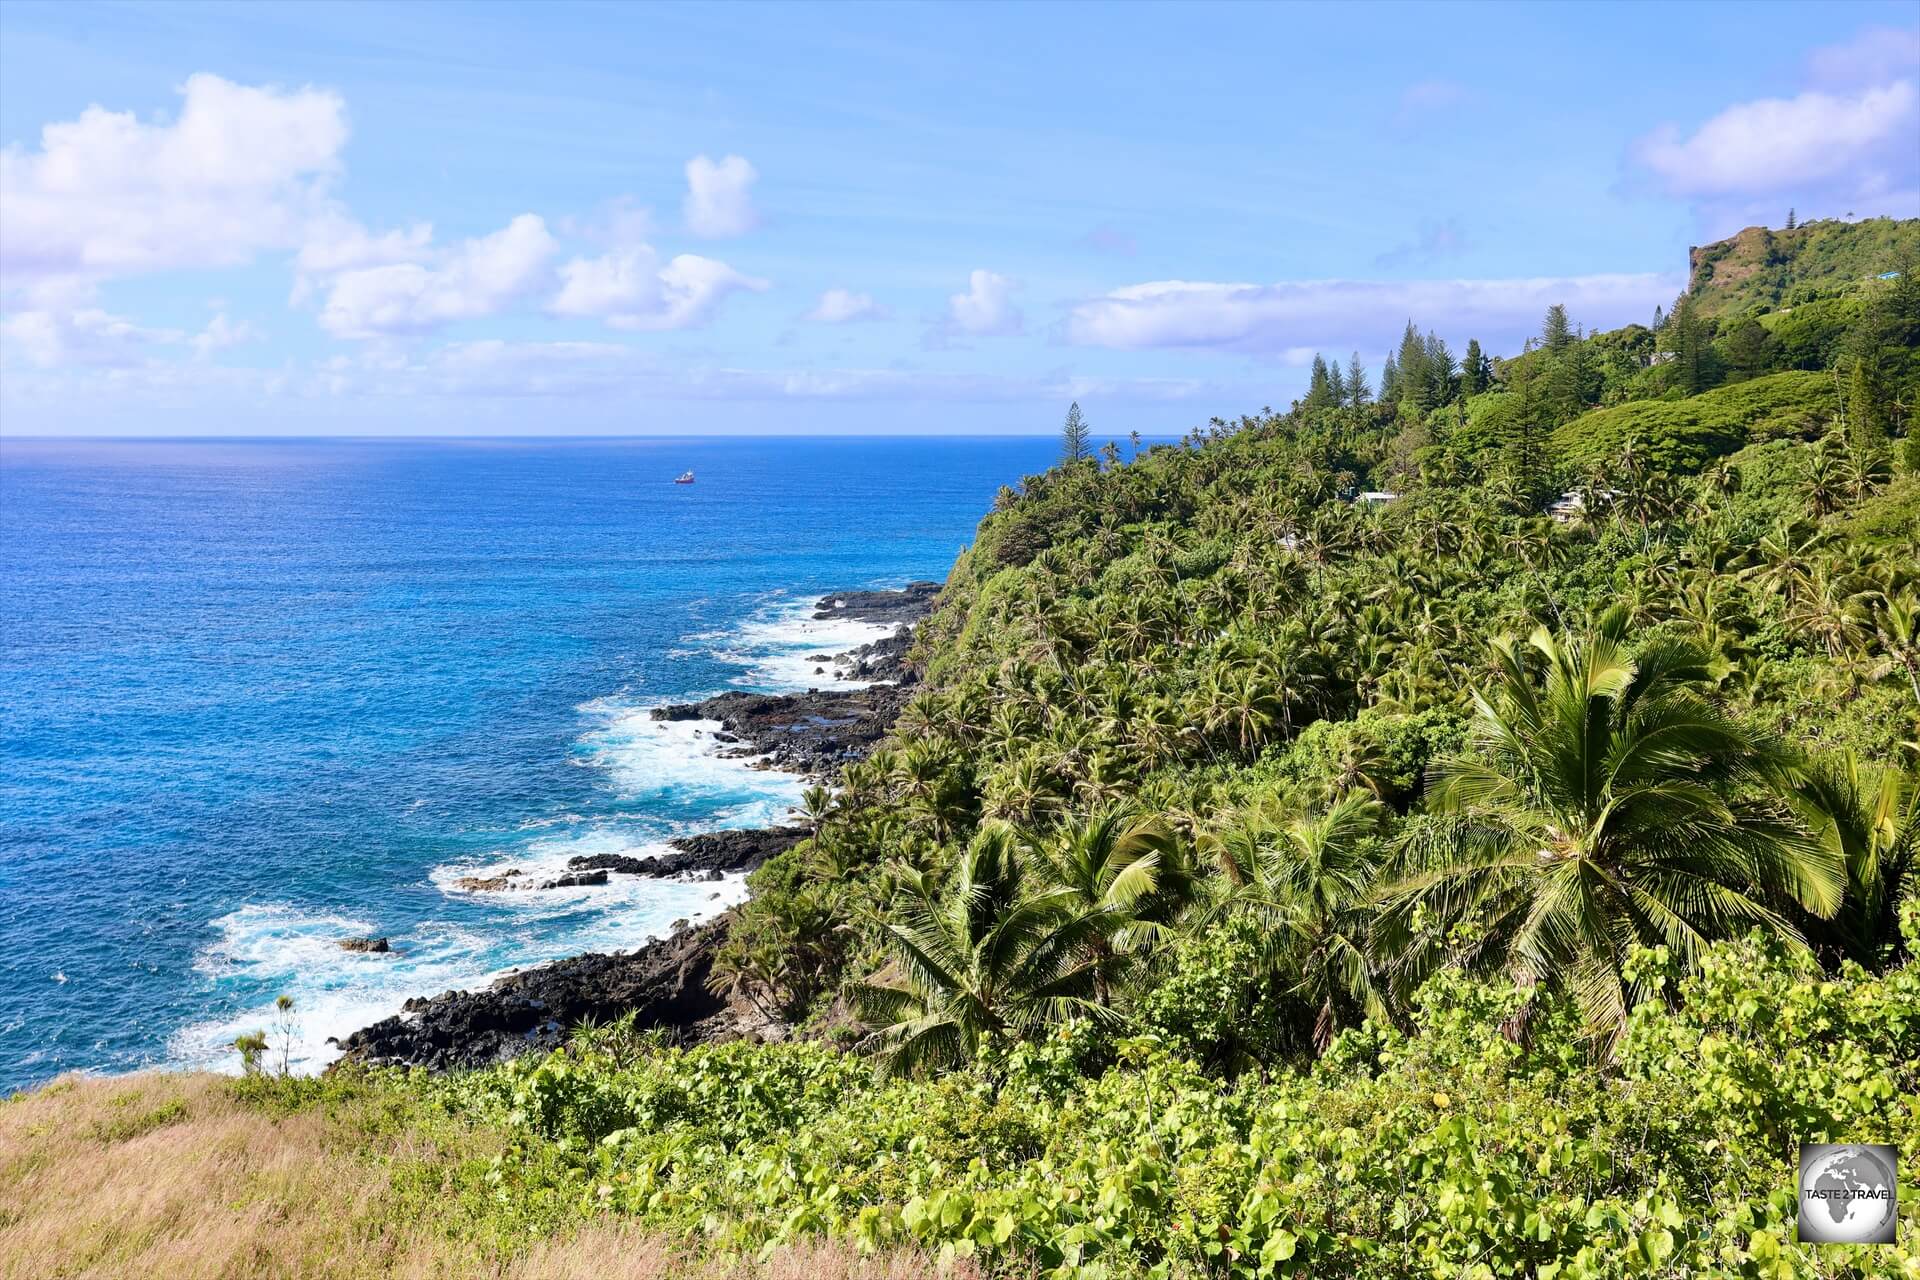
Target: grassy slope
180,1176
1761,268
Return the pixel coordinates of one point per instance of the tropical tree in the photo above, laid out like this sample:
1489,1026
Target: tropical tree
981,964
1311,877
1604,803
1126,871
1870,820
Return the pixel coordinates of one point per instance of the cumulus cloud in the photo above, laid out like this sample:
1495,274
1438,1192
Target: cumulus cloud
1775,143
1845,145
719,199
335,243
1282,320
241,169
479,278
88,337
843,306
629,289
986,308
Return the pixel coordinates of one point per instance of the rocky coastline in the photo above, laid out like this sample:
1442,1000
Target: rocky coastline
664,984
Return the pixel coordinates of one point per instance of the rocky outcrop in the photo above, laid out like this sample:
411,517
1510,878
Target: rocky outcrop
816,733
514,878
709,855
371,946
903,607
663,983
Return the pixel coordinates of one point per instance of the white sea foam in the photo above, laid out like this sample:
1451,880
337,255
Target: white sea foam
781,647
677,770
336,992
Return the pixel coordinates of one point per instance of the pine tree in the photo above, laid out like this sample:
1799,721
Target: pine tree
1319,389
1074,442
1440,370
1389,382
1556,332
1791,224
1357,392
1415,382
1692,351
1337,384
1866,416
1476,371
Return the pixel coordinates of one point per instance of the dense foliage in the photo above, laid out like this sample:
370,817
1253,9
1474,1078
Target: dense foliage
1461,825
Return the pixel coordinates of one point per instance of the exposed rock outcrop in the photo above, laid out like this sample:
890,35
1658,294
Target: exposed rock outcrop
663,983
712,853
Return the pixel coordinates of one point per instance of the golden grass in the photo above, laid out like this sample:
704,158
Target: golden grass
163,1176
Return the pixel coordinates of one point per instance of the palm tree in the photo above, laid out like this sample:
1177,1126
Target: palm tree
1872,823
1128,872
982,964
1312,878
1896,621
816,806
1607,805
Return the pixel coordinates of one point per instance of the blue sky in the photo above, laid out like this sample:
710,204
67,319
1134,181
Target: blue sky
677,219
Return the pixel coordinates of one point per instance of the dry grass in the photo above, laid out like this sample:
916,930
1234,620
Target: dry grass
165,1176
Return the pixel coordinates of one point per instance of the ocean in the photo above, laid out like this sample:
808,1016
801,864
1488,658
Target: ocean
257,696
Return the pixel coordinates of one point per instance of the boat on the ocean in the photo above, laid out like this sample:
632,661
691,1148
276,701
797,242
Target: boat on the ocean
685,477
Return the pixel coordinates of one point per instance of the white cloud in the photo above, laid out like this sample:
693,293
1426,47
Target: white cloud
335,243
720,197
88,337
843,306
1849,143
1338,315
629,289
1776,143
220,334
240,170
986,308
479,278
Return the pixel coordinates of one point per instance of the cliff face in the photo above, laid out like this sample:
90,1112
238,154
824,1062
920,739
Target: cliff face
1768,269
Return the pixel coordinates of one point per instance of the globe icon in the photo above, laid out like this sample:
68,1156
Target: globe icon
1846,1195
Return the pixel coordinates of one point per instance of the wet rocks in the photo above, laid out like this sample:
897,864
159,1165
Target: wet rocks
488,884
707,856
907,605
663,983
515,878
371,946
575,880
815,733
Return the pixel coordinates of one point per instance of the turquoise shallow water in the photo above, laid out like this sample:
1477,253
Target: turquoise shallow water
255,696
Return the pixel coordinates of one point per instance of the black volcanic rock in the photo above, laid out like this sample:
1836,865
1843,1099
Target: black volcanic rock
816,733
905,606
664,983
708,855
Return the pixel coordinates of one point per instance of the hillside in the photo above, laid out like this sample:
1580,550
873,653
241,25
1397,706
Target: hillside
1300,853
1761,269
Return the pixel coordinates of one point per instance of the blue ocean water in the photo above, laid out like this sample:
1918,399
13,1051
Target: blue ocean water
256,696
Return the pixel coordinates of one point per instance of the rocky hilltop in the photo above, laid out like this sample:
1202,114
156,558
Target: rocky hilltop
664,984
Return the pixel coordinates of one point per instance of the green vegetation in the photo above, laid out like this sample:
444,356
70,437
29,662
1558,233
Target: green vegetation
1761,269
1265,881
